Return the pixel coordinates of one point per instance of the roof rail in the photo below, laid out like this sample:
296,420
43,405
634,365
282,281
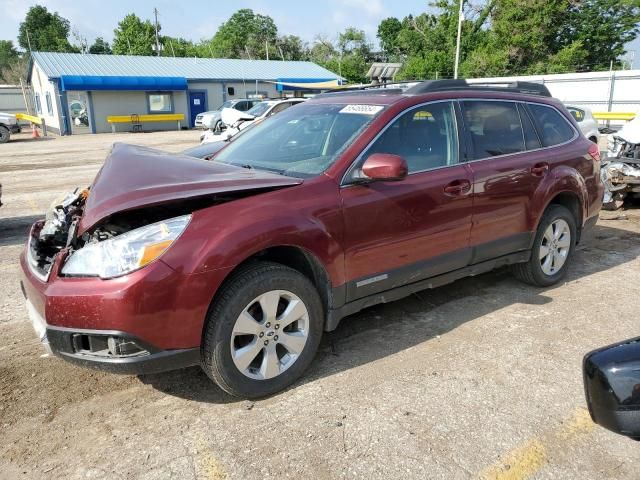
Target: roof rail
442,85
361,91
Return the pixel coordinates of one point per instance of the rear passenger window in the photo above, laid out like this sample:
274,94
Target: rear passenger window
552,126
531,139
426,137
495,128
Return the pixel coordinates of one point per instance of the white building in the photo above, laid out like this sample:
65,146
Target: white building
75,93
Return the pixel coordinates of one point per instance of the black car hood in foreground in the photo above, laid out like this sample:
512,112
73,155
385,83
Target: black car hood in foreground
134,177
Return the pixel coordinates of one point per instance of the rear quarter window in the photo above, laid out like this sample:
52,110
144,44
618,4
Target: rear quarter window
552,126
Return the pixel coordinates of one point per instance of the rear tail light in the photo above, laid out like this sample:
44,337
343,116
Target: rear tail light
594,151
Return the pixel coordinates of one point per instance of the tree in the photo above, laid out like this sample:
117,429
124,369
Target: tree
100,46
245,35
178,47
8,55
44,31
291,47
15,71
134,37
388,32
603,28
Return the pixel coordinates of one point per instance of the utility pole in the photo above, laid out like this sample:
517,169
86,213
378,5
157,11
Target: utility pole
460,18
28,40
155,13
266,46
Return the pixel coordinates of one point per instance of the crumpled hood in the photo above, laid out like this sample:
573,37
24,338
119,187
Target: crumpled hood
134,177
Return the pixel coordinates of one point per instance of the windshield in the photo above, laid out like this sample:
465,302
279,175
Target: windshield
227,104
259,109
302,141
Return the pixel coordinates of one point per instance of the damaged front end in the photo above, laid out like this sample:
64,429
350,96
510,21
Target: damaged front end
620,173
56,233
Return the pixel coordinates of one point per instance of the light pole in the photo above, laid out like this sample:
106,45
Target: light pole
460,18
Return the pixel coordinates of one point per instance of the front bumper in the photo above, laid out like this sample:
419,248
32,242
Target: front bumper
67,343
158,309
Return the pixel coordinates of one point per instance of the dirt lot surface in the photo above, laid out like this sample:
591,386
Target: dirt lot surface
481,378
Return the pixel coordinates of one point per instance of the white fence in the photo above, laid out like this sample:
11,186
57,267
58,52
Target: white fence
615,91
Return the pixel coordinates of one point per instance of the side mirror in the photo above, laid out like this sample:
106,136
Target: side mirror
612,387
384,167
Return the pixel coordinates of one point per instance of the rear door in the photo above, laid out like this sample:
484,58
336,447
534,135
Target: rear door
505,176
398,233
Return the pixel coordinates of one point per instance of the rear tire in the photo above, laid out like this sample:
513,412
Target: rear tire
251,346
5,134
552,250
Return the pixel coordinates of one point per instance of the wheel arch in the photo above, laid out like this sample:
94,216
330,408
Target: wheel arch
572,202
297,258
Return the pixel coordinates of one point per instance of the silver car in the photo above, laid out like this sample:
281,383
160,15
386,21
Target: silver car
588,125
211,119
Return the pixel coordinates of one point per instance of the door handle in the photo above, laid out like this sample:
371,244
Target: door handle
457,187
540,169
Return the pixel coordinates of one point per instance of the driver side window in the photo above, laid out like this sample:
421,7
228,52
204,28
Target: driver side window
425,136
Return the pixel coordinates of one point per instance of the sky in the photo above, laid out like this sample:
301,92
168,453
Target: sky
197,19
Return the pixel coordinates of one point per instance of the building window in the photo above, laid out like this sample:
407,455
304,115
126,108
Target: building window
38,104
49,104
160,102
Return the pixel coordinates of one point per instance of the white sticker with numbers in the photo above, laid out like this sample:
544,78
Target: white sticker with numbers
362,109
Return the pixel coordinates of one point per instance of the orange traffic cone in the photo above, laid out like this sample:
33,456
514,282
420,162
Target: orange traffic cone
34,131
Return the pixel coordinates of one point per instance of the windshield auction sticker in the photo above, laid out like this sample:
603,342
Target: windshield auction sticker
362,109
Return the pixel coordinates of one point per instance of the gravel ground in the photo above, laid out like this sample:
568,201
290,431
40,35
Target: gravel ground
479,379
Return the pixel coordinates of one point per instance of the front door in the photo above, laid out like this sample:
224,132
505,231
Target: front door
402,232
197,104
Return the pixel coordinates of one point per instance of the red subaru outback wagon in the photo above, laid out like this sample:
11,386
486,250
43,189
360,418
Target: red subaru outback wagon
350,199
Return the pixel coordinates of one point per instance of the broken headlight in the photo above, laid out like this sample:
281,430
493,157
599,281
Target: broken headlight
127,252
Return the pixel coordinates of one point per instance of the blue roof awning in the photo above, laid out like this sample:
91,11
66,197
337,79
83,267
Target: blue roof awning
81,82
281,83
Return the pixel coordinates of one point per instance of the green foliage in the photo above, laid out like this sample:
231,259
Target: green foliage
245,35
44,31
100,46
8,56
603,28
134,36
388,32
291,47
178,47
512,37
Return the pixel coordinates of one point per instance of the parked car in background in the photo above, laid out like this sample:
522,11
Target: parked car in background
211,119
351,199
237,121
8,125
612,387
588,125
621,169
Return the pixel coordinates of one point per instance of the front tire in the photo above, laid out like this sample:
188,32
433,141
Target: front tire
263,330
5,134
552,250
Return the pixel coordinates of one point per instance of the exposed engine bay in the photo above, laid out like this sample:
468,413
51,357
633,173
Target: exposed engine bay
59,230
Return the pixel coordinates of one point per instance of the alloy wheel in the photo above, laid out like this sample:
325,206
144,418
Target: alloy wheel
555,247
270,334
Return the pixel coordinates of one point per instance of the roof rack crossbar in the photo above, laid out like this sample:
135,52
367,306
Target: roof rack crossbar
442,85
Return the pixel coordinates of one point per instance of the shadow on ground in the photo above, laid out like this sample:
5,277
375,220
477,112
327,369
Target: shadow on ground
14,230
407,322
